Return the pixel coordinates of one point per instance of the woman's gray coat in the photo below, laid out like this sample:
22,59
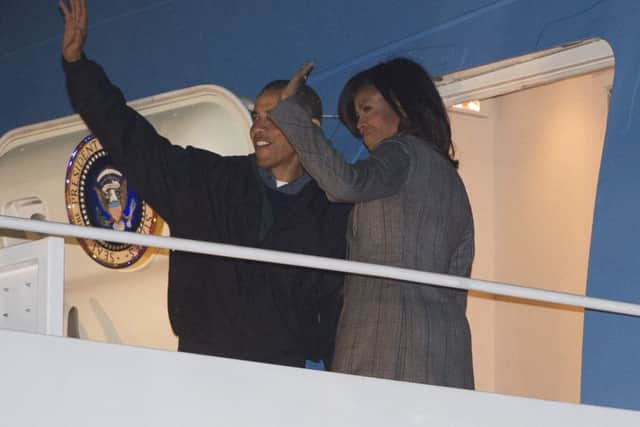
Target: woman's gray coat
411,211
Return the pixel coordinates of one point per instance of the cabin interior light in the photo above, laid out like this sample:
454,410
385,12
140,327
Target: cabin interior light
469,106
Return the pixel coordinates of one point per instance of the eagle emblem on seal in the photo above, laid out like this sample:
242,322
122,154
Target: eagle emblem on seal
111,190
97,194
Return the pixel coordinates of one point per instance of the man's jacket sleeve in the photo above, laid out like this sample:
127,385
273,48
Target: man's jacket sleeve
165,175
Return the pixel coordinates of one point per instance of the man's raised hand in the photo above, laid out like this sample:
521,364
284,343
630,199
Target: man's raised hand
75,28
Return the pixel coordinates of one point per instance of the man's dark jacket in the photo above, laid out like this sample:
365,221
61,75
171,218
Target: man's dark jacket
222,306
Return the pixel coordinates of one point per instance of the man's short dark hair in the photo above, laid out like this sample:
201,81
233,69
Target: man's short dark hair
306,96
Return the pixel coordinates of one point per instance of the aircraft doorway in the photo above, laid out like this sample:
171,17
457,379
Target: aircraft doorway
530,159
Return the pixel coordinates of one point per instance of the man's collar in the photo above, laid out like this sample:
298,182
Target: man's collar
293,187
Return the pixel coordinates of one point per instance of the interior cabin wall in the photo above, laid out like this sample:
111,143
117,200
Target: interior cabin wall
127,308
531,167
474,138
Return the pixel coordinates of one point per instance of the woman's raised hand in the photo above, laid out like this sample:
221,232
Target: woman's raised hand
297,80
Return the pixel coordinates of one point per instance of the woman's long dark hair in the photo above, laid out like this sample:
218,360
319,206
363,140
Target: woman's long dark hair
410,91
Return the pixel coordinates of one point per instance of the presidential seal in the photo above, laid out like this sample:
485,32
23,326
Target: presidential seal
97,194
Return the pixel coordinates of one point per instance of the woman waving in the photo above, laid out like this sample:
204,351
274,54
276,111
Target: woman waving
411,211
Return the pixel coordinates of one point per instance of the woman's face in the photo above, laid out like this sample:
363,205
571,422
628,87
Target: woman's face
376,120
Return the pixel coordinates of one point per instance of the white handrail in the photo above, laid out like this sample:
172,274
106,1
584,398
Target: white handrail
354,267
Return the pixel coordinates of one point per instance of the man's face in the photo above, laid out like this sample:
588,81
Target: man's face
273,151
